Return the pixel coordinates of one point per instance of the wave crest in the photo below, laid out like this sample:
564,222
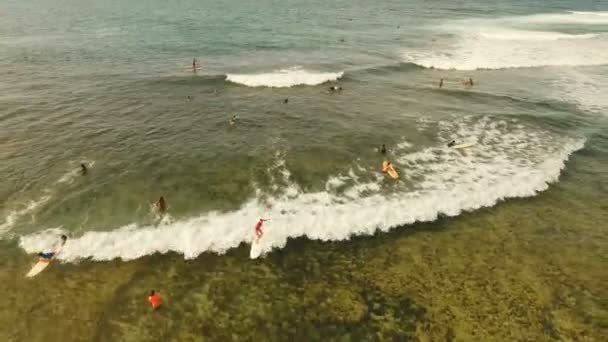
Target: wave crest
284,78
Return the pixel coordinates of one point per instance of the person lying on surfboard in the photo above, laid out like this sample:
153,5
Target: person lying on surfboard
452,143
258,228
51,255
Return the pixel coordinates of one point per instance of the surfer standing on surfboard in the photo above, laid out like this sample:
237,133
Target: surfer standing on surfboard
258,228
51,255
194,65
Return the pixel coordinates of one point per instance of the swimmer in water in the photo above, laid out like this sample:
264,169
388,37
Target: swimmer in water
286,101
441,83
335,88
452,143
383,149
154,299
83,169
161,205
233,120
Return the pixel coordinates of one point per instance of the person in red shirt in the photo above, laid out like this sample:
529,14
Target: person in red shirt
258,228
154,299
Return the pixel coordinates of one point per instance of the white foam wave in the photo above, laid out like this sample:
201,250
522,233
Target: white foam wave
500,43
573,17
284,78
509,160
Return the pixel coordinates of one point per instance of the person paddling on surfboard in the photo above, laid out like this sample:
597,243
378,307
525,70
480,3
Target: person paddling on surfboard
258,229
452,143
51,255
83,169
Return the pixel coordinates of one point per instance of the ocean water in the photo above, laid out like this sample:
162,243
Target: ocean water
110,84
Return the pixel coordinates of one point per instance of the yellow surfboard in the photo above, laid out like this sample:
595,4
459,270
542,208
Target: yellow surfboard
389,169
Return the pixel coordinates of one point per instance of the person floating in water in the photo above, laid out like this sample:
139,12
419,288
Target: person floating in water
233,120
189,98
258,228
83,169
161,205
441,83
154,299
286,100
51,255
452,143
335,88
383,149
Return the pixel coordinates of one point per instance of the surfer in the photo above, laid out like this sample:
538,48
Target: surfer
194,65
51,255
233,120
258,228
83,169
452,143
189,98
161,205
154,299
335,88
441,83
286,101
383,149
387,166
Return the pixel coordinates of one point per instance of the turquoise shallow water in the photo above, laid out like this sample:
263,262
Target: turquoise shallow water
107,84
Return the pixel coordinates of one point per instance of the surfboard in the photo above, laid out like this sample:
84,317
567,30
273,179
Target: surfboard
42,264
38,267
464,145
256,248
390,171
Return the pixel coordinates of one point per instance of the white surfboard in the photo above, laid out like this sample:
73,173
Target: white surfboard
38,267
42,264
256,248
464,145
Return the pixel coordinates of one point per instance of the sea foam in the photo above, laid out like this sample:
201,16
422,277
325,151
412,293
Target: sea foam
284,78
509,160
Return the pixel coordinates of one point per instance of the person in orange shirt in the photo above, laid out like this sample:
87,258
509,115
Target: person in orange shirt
154,299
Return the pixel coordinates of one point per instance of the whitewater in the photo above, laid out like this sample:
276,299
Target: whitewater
509,160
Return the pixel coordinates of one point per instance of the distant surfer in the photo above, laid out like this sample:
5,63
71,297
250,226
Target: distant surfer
387,166
258,228
469,83
194,65
441,83
154,299
189,98
83,169
335,88
452,143
383,149
233,120
47,257
161,205
286,100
